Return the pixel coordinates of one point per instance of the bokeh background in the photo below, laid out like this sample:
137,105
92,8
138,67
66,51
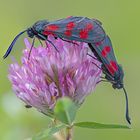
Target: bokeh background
121,20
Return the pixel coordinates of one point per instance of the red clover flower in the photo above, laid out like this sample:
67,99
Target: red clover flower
49,74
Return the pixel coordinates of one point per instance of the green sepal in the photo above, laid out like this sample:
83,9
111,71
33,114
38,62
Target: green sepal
65,111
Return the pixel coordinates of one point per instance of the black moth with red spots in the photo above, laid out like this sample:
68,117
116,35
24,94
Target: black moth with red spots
86,30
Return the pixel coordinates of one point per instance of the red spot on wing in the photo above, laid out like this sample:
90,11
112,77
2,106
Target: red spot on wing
98,43
83,34
69,16
112,67
51,28
48,33
89,26
70,25
105,51
68,33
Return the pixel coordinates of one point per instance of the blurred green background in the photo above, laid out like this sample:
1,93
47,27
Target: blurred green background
121,20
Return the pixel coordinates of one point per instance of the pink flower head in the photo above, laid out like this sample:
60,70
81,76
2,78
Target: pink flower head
49,74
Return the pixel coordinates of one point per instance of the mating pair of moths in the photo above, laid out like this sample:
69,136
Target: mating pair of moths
86,30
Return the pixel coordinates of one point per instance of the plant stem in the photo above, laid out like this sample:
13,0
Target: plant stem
69,133
63,135
59,135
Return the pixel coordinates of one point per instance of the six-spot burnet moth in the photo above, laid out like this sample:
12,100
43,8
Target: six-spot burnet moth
86,30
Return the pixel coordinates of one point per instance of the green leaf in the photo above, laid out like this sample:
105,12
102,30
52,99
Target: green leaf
94,125
48,132
65,110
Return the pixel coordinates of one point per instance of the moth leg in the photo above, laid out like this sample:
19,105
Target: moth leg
31,48
92,56
104,69
102,77
40,42
69,41
102,81
53,45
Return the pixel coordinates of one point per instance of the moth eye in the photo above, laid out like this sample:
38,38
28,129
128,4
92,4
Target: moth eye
30,33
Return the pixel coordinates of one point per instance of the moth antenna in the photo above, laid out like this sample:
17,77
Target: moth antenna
127,109
31,48
12,44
